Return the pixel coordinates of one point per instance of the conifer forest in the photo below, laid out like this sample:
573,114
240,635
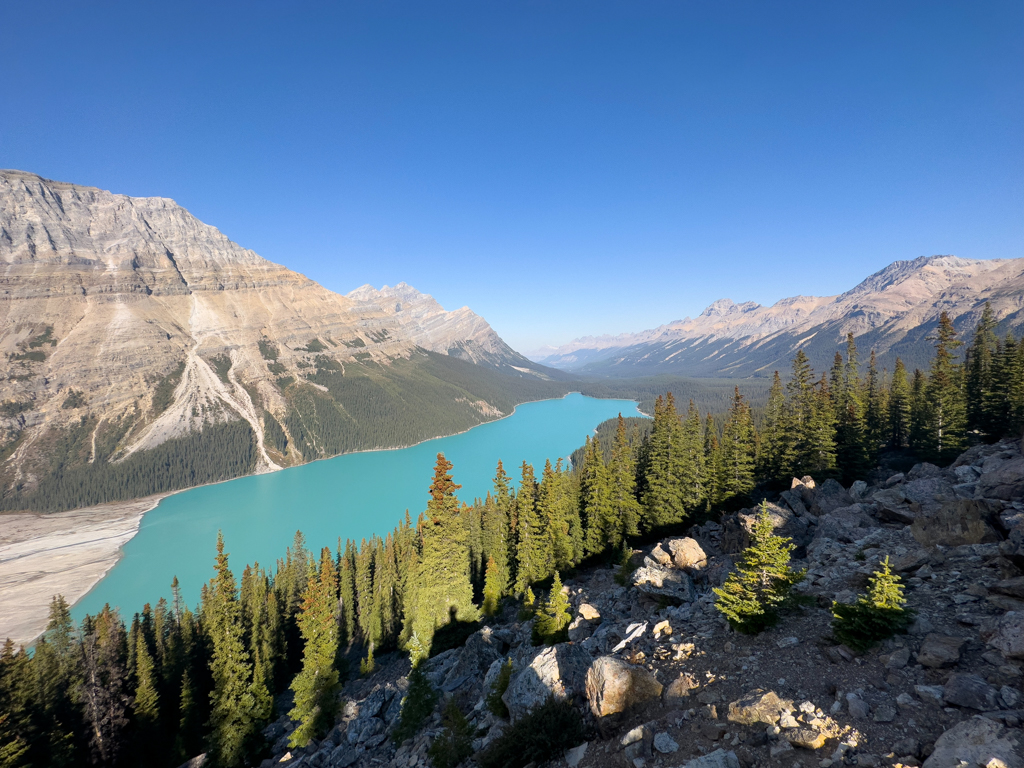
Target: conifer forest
169,682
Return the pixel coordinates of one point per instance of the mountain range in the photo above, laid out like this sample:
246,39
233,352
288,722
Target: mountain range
893,312
128,326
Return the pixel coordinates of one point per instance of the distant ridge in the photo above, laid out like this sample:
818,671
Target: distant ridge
892,311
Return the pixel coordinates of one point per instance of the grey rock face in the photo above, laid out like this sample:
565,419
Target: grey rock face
612,686
830,496
559,671
658,581
1006,482
978,741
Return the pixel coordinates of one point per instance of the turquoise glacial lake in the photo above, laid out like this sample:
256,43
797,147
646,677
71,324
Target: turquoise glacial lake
352,496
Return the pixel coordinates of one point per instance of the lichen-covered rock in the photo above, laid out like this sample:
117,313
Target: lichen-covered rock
614,686
978,742
758,706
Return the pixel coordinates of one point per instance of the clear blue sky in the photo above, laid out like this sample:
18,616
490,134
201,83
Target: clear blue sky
564,168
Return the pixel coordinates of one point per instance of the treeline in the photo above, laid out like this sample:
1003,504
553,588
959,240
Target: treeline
199,681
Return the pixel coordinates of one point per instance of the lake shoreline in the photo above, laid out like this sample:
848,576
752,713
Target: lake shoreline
69,553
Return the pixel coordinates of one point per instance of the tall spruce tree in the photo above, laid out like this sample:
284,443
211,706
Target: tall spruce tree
442,582
315,687
917,437
595,498
692,465
234,725
848,409
737,451
104,693
662,500
625,520
946,415
772,459
899,408
496,526
533,552
876,411
979,380
801,410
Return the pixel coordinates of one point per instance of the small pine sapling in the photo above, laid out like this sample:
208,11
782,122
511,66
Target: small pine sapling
494,701
878,615
529,606
625,564
554,617
418,704
455,743
755,592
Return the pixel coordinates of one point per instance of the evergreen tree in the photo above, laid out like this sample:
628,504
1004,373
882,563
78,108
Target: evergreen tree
979,380
492,588
347,590
625,508
917,437
442,583
713,462
103,692
878,615
496,529
876,413
848,410
737,451
692,470
316,685
945,413
662,499
756,590
533,552
234,727
188,740
147,704
554,617
595,498
369,620
772,460
57,671
899,408
802,408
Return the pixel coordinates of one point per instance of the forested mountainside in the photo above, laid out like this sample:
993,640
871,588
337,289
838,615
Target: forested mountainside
145,351
894,311
455,638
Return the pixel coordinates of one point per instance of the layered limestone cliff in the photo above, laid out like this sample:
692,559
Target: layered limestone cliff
132,319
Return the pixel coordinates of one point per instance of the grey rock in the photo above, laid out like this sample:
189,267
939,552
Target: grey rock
1009,635
898,659
885,713
858,490
795,502
829,497
970,691
343,756
612,686
664,743
846,524
922,471
574,756
907,747
1010,697
955,523
687,554
896,479
893,506
1006,482
857,706
977,742
559,671
940,650
717,759
661,582
929,694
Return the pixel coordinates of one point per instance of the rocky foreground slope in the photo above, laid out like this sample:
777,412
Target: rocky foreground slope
664,682
893,311
127,322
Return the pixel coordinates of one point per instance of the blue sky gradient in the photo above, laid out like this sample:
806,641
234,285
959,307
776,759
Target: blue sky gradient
563,168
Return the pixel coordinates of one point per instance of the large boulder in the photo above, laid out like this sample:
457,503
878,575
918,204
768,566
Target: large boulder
481,650
830,496
846,524
955,523
615,686
1009,635
978,742
759,706
971,691
559,671
687,554
940,650
661,582
893,506
1004,482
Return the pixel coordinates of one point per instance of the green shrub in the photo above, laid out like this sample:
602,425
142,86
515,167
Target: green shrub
494,700
455,742
756,591
878,615
626,566
417,706
537,737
